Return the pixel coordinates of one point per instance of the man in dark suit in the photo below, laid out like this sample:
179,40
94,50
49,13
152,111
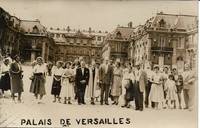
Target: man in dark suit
105,80
82,78
141,81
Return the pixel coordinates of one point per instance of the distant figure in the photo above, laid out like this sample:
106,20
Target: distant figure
82,79
49,68
16,78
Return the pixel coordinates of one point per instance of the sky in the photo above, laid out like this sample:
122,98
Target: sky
98,14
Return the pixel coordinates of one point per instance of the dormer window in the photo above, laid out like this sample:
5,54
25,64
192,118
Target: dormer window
162,23
35,29
118,34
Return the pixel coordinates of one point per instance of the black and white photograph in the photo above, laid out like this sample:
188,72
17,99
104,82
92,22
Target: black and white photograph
99,63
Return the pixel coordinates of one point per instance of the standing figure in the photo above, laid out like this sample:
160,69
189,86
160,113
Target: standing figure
16,78
141,81
82,79
57,72
105,80
179,86
67,91
148,86
156,95
188,87
116,87
49,68
129,81
93,82
165,76
38,83
171,92
5,77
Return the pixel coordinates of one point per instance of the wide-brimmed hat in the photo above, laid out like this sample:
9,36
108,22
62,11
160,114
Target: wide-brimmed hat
39,58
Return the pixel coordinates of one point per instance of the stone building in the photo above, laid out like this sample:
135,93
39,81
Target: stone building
36,41
117,43
162,40
10,34
72,44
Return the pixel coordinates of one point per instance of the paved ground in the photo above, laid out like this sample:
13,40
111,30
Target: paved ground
12,113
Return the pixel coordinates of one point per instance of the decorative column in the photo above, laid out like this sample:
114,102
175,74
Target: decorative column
43,49
33,54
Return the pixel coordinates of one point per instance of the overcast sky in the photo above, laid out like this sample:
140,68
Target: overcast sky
100,15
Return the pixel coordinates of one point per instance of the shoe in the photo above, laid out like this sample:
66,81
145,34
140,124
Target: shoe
92,103
69,102
141,109
106,103
84,103
123,106
113,103
116,103
79,103
54,101
101,103
137,109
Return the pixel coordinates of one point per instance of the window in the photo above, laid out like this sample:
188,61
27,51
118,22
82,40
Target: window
57,35
162,23
99,38
180,43
162,41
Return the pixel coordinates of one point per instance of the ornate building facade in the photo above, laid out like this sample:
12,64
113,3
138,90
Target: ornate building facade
10,35
72,44
117,43
162,40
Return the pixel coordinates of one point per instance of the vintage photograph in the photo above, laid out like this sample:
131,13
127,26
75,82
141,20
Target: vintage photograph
98,63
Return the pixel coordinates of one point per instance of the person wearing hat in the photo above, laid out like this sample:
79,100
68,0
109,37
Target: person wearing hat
38,84
67,90
188,87
156,95
16,78
57,72
5,77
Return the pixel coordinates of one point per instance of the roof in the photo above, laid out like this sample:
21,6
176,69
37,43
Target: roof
176,21
28,26
124,32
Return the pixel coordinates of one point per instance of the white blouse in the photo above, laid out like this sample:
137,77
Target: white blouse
58,71
39,69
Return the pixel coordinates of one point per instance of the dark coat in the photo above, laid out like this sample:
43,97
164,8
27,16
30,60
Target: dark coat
79,76
106,78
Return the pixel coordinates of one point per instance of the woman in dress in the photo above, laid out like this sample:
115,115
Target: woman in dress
38,83
156,93
5,77
16,78
57,72
93,82
171,92
116,87
67,91
129,80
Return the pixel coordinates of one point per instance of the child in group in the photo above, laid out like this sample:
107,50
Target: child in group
171,92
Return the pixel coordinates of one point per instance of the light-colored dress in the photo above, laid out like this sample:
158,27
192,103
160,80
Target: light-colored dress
116,88
157,92
67,89
93,88
171,90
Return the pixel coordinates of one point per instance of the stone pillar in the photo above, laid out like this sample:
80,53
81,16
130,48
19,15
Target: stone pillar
32,56
43,50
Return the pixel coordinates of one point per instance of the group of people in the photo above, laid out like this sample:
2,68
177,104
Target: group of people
73,81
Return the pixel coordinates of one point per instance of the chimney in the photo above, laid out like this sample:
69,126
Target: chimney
90,30
130,24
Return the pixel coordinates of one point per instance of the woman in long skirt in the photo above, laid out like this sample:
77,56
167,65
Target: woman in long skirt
56,86
129,80
16,78
5,77
157,93
38,83
67,91
116,88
